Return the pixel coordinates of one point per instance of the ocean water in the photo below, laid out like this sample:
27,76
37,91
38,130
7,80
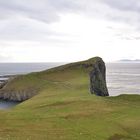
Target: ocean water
7,104
22,68
123,78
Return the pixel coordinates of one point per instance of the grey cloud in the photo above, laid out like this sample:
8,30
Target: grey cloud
28,19
125,10
23,29
45,10
54,7
48,11
28,29
124,5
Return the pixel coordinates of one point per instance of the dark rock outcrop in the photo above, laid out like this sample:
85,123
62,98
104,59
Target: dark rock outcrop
98,79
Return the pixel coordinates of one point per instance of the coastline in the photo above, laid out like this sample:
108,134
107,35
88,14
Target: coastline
5,103
4,79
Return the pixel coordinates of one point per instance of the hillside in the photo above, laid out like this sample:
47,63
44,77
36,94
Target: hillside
24,87
64,108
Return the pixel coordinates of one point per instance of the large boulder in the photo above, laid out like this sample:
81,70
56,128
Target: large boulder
98,79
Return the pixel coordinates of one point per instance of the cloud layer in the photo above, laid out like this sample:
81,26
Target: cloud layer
68,25
49,10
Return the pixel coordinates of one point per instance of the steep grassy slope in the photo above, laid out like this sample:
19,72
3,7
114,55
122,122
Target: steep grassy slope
64,109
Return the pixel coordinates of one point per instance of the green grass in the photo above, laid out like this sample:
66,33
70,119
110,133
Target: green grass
64,109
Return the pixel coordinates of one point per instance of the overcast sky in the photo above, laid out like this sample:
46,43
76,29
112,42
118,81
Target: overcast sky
69,30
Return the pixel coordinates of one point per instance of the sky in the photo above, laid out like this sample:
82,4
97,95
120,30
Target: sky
69,30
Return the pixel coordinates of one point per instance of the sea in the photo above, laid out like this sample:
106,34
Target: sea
122,78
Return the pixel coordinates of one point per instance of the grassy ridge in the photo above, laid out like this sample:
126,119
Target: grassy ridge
65,110
25,86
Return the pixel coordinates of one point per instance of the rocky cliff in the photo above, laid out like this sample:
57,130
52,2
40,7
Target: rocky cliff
19,88
98,79
24,87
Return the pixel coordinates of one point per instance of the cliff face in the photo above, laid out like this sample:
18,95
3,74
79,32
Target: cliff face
26,86
20,88
16,95
98,79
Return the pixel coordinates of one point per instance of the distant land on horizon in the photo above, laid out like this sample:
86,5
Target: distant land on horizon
129,60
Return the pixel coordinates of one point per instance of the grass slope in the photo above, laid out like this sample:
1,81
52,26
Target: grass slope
65,110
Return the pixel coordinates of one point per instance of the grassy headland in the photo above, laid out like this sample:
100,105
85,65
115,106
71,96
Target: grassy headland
64,109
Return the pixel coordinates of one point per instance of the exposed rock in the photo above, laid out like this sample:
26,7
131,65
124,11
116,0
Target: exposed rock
23,87
15,95
2,84
98,79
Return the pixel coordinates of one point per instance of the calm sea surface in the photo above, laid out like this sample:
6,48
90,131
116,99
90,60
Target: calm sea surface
122,78
22,68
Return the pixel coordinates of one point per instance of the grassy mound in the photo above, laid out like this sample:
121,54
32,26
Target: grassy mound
64,109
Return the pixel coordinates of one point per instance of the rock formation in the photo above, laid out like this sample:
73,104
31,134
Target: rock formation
98,79
23,87
11,92
17,96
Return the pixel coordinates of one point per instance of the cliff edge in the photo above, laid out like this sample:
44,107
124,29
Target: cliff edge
26,86
98,79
